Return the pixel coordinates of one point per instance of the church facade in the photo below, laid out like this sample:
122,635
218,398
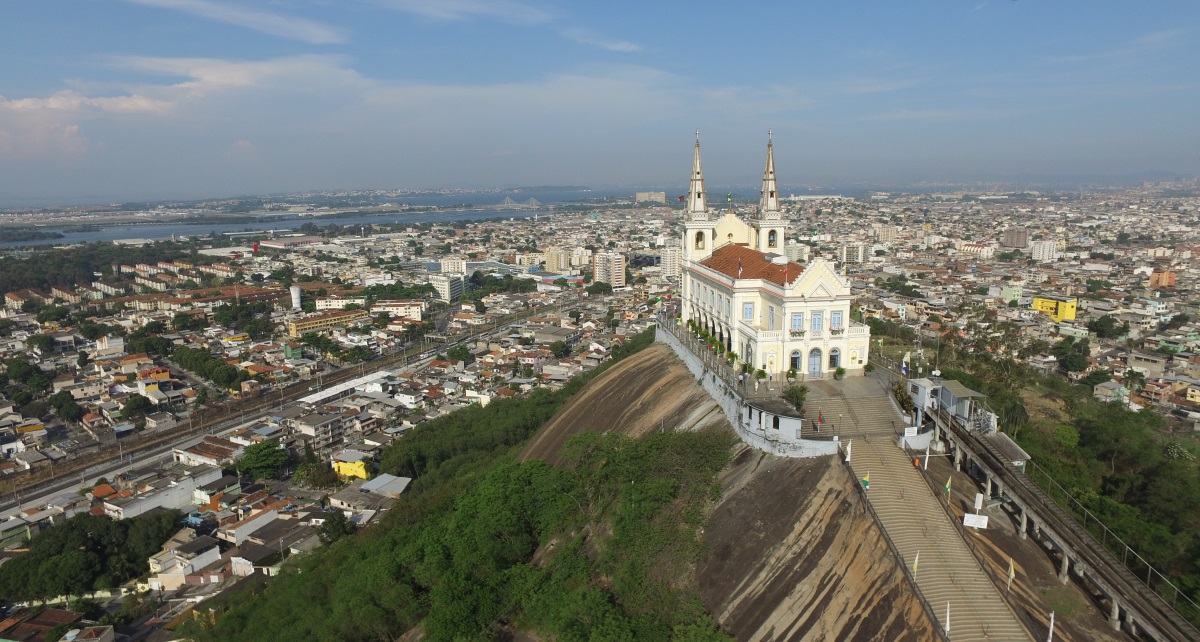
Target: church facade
776,315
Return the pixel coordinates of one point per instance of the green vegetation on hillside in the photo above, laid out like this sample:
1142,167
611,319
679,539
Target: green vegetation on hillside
86,553
459,552
1125,467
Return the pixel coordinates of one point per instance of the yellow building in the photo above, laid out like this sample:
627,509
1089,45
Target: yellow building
297,328
1058,308
351,463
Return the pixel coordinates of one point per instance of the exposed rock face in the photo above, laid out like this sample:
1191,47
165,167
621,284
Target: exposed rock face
793,556
791,553
650,390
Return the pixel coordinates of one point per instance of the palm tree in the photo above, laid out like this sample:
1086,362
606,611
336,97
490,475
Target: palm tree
1134,379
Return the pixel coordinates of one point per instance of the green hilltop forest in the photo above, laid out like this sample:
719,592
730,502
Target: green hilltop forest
459,552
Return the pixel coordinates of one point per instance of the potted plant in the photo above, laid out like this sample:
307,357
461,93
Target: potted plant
839,373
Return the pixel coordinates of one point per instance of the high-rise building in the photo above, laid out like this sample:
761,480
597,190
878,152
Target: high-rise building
797,252
1015,237
886,233
558,261
449,286
581,256
853,253
609,267
1044,251
650,197
1162,279
672,261
454,265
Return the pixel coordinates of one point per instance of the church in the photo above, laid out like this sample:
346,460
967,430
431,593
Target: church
776,315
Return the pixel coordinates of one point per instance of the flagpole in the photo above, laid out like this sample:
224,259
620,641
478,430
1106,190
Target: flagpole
1050,638
948,617
927,458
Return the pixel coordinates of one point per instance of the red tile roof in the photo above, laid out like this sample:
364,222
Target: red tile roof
730,259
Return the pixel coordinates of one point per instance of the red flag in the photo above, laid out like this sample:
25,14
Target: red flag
683,198
256,247
820,417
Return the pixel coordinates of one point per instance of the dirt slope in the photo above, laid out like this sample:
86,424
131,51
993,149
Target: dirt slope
792,556
651,390
790,553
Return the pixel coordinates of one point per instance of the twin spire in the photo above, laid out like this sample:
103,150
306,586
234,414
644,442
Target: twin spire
768,201
696,200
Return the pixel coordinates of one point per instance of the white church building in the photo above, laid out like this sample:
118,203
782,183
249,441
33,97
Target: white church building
775,314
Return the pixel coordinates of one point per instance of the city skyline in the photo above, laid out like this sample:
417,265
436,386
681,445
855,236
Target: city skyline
196,98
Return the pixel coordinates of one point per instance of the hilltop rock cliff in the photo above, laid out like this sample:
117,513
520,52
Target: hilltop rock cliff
790,553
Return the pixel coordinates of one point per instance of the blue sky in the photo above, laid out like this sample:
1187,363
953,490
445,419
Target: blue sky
127,99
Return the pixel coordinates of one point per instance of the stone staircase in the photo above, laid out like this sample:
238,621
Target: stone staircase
947,572
851,408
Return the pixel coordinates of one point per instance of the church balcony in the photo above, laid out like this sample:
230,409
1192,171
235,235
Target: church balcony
797,334
760,335
860,330
837,332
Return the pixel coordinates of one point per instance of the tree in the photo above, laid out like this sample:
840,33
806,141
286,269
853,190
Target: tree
1106,327
460,353
1135,379
1072,355
135,406
1177,321
65,407
796,395
599,287
480,307
335,527
82,359
263,460
40,342
560,349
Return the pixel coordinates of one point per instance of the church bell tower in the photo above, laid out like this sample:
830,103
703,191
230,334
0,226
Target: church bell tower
769,225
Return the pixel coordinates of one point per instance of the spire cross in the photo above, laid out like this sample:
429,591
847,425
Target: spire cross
769,135
697,135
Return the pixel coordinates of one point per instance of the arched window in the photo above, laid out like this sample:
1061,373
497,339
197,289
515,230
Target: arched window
772,239
835,358
699,240
775,422
795,362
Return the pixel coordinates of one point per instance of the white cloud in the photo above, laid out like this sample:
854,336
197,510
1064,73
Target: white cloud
266,22
584,37
314,121
859,86
509,12
941,115
67,100
503,10
1134,49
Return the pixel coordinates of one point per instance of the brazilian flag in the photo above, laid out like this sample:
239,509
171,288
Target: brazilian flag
866,482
